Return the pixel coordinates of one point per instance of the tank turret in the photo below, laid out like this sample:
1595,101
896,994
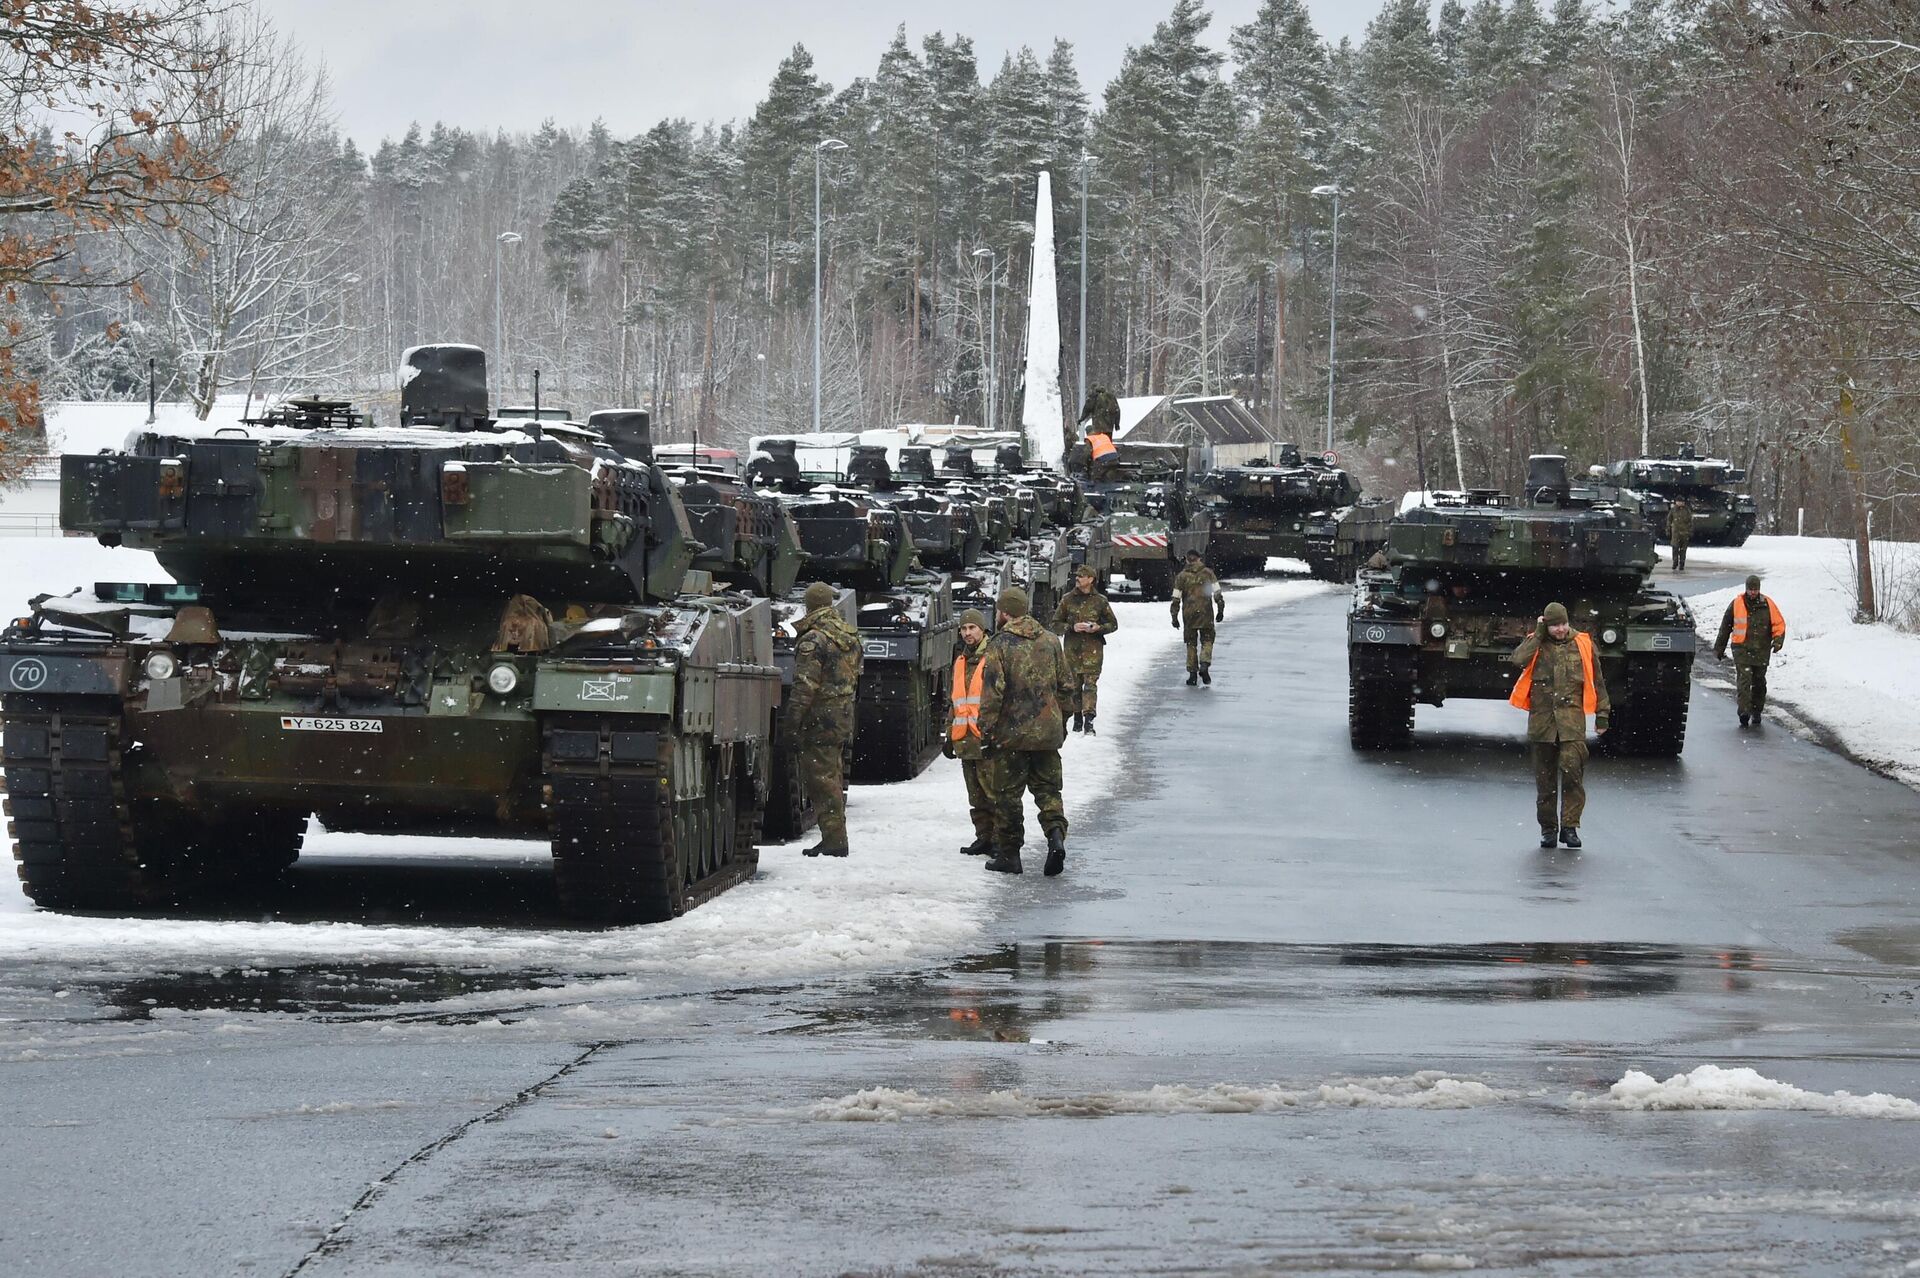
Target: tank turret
628,431
916,464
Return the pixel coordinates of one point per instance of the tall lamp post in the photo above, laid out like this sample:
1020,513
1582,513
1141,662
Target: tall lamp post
1333,304
993,324
825,144
499,344
1086,161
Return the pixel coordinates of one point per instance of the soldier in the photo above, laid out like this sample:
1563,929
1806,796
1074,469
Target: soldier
1756,629
1101,412
819,714
1680,532
1196,592
1023,683
963,729
1559,686
1084,619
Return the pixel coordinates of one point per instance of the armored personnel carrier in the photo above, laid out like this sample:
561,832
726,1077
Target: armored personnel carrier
1465,584
1145,498
1265,510
453,625
1649,486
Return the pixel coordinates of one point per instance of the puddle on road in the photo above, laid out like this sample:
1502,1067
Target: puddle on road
324,992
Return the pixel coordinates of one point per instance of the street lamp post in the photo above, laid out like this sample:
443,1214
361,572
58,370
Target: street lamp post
1333,304
825,144
993,324
499,344
1085,161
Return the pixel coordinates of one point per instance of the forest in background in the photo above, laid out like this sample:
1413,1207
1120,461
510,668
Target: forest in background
1563,226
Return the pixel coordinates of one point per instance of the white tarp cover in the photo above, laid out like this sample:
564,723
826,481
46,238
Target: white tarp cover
1135,409
1041,413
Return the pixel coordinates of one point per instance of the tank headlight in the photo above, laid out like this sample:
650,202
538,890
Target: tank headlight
161,665
1609,635
503,679
1438,629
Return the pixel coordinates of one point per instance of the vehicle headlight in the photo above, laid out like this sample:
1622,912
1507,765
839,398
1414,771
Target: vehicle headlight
161,665
1609,635
1438,629
502,679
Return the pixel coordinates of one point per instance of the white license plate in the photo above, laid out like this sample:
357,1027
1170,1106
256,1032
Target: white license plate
296,723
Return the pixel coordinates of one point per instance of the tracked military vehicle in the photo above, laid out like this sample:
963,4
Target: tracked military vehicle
1144,496
1267,509
1649,486
1339,541
453,625
1466,582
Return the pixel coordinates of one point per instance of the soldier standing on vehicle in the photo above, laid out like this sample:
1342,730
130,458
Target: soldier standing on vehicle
1083,620
1024,682
819,713
1680,532
1559,686
1197,595
1757,630
1101,412
963,729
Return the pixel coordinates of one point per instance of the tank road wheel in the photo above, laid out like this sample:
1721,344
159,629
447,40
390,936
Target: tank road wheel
644,827
898,730
1379,700
74,843
1654,722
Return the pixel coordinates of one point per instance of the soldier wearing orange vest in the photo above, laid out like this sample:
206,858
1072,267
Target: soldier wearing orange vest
1101,412
1753,624
1559,686
963,729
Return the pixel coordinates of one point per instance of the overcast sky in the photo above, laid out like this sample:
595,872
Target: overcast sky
487,64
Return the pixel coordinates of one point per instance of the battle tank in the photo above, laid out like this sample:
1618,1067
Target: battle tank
1465,584
1649,486
1339,541
456,625
1144,496
1267,509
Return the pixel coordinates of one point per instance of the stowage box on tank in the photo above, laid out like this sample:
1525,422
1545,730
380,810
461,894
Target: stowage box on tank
452,625
1467,581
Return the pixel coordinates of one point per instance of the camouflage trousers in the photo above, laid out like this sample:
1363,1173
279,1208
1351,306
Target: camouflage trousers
1559,773
1083,672
822,761
1009,775
1750,685
979,802
1679,555
1199,646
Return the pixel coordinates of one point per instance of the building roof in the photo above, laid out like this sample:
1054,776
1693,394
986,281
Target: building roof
1213,419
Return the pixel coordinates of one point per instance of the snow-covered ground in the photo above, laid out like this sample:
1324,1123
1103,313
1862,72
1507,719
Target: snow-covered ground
1859,682
906,894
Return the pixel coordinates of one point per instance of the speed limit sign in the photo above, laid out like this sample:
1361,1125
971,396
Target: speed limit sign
1333,458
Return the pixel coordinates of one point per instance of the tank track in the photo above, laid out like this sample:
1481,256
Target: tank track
789,810
626,847
1379,700
1652,718
898,732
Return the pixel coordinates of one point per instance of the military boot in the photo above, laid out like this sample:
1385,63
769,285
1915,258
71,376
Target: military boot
1570,836
1549,837
980,846
1078,720
1206,675
1056,852
1005,862
1087,727
823,848
1193,678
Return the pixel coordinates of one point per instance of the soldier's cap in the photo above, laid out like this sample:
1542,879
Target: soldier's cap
819,595
1013,602
1753,582
973,617
1556,614
1193,554
1085,570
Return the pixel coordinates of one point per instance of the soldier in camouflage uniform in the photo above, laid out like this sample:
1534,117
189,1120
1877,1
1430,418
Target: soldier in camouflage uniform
1196,593
819,713
1084,619
963,735
1680,532
1559,680
1024,681
1755,627
1101,413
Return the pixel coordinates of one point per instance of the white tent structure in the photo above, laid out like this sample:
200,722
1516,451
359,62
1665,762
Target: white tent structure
1042,416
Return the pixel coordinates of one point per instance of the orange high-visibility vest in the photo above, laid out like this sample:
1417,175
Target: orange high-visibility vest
1740,618
966,700
1102,445
1589,699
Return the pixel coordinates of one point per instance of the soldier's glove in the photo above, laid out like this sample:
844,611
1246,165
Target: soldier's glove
1720,654
988,749
1600,724
1220,612
1176,623
1778,644
946,747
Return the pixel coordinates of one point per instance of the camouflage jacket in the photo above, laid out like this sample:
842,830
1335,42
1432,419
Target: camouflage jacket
826,668
1023,683
1196,594
1680,523
1760,644
1076,607
1559,689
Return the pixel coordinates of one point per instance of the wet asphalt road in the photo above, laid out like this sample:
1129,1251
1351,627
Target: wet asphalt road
1263,918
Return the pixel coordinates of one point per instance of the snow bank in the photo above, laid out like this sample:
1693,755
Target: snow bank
1709,1087
1428,1089
1862,683
905,894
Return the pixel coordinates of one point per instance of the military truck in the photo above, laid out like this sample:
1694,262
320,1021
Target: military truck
1339,541
1266,509
1144,496
1466,582
1649,486
444,626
